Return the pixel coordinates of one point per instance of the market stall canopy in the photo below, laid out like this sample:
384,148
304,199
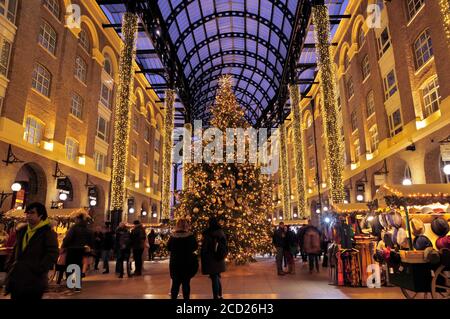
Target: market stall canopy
350,207
67,212
419,194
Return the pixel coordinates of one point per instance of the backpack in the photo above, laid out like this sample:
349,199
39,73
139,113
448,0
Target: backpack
220,248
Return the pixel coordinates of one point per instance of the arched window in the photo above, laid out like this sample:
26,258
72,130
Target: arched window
53,7
407,180
83,40
431,97
107,66
106,96
370,104
423,48
47,37
80,69
42,80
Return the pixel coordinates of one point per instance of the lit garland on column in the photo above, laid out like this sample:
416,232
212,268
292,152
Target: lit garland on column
186,152
299,152
285,183
334,147
167,152
122,111
445,10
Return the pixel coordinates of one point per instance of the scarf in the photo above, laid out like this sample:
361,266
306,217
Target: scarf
31,231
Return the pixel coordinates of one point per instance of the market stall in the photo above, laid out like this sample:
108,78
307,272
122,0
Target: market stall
417,249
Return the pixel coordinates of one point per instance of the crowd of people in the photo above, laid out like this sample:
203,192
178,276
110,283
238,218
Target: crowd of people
308,241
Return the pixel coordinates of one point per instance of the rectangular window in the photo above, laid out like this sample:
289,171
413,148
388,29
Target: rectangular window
357,150
71,149
350,89
157,144
155,188
102,128
134,149
133,177
77,106
354,120
42,80
384,42
1,105
136,122
373,132
33,131
395,123
145,159
5,55
370,104
147,134
156,167
80,69
365,66
390,85
414,7
99,160
105,96
8,8
431,97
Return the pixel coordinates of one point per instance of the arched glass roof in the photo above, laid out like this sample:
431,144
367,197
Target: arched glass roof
252,40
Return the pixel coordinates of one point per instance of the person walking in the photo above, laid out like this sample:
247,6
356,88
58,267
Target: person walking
123,249
78,241
98,244
290,249
108,245
152,246
312,246
278,240
138,244
213,253
183,262
34,254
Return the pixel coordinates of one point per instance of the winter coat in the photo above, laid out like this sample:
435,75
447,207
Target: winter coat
210,265
291,242
123,240
78,236
279,238
28,269
138,237
151,238
98,240
311,241
108,241
183,260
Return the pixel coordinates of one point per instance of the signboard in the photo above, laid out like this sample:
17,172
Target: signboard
64,184
131,202
445,152
360,187
379,179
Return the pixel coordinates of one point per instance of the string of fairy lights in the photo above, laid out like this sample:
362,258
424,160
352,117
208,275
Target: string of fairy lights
122,110
334,145
299,152
167,152
285,182
445,10
186,151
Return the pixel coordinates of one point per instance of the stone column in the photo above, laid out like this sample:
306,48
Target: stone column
334,147
122,114
169,113
299,151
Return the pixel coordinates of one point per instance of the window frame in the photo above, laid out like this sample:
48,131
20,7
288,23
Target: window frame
37,129
422,48
365,67
433,105
38,80
81,69
134,149
5,57
100,156
411,15
383,47
84,41
54,10
374,138
389,91
104,136
48,37
350,87
72,149
357,149
79,108
395,129
370,110
354,121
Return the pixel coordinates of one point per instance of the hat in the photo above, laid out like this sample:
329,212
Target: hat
402,237
427,210
417,227
421,242
443,242
431,255
439,226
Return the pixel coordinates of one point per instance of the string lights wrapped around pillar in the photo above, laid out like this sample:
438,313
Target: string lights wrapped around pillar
167,152
299,152
334,146
186,152
285,194
445,10
122,111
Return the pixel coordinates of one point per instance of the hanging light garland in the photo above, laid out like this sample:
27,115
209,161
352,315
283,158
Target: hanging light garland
445,10
334,145
122,111
298,150
186,152
167,152
285,184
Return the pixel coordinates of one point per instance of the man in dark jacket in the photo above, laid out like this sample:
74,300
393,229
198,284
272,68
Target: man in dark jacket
138,244
123,244
213,253
35,253
279,241
108,245
78,242
151,238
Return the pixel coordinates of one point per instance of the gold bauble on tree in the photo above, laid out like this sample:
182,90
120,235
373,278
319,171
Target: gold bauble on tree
196,210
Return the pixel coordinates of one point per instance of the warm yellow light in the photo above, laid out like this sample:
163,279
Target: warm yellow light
148,190
310,190
324,185
82,160
353,166
48,146
420,124
136,185
369,156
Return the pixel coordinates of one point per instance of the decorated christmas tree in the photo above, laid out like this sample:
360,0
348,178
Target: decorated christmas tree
236,193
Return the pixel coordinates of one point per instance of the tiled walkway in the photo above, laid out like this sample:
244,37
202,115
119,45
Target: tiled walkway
257,280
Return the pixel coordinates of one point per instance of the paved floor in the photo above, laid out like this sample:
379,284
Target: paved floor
253,281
